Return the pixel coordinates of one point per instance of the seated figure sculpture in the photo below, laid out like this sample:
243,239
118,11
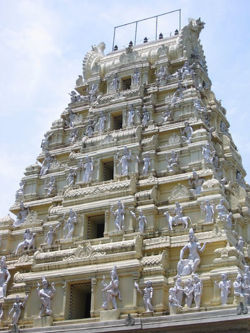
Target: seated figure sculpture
189,266
27,243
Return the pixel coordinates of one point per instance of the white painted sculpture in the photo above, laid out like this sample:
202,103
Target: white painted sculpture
188,266
141,219
229,220
189,293
4,277
74,133
187,132
49,239
69,226
207,153
88,169
50,188
46,294
16,311
119,214
111,291
124,161
161,75
179,290
209,211
197,287
100,126
224,285
48,159
20,191
146,164
70,180
196,183
93,93
115,83
172,162
173,302
131,116
90,128
145,116
222,211
178,218
166,115
147,293
240,244
240,296
136,77
28,243
21,216
186,70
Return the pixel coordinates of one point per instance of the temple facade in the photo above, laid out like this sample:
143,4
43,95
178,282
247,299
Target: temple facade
136,216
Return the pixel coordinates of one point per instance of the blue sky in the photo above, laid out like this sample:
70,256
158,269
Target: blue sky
42,45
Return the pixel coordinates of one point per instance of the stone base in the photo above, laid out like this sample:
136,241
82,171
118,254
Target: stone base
147,314
43,321
107,315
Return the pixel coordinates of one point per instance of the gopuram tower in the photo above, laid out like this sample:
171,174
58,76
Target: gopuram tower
136,216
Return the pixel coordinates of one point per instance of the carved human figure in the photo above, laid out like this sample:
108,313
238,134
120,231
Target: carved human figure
222,210
70,180
20,191
131,116
189,293
69,226
93,93
161,75
166,115
240,297
45,141
197,287
141,219
209,211
101,122
90,128
73,96
187,132
224,285
208,155
119,214
145,116
73,135
48,159
172,162
88,169
178,95
179,290
112,290
186,70
21,216
49,238
70,120
173,301
16,311
124,161
136,78
240,244
146,164
115,83
229,220
188,266
28,242
4,277
175,220
147,293
51,187
46,293
196,183
178,210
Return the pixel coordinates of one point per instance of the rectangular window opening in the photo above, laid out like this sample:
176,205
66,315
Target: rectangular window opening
96,226
117,122
126,83
108,170
80,301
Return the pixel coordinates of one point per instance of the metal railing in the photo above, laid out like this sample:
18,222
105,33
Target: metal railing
145,19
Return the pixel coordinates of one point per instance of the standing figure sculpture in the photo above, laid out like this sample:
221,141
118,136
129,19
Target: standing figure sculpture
50,188
73,136
142,220
222,211
179,290
173,301
188,266
4,277
124,161
100,126
20,191
119,214
131,116
70,180
224,286
51,234
136,78
88,169
147,293
240,297
208,154
48,159
189,293
93,93
145,116
28,242
146,164
46,294
197,286
90,128
161,75
172,162
111,291
187,132
115,83
209,211
21,216
69,226
17,310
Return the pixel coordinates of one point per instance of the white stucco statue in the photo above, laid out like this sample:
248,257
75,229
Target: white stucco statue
179,290
69,226
187,132
49,238
131,116
222,211
4,277
173,301
119,214
124,161
141,219
240,297
172,162
115,83
88,169
21,216
70,180
189,293
208,154
16,311
145,116
197,286
196,183
224,285
46,293
209,211
111,291
48,159
20,191
136,77
50,188
188,266
147,293
146,164
100,126
28,242
161,75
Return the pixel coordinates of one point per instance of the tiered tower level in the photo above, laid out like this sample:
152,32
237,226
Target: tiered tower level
138,177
